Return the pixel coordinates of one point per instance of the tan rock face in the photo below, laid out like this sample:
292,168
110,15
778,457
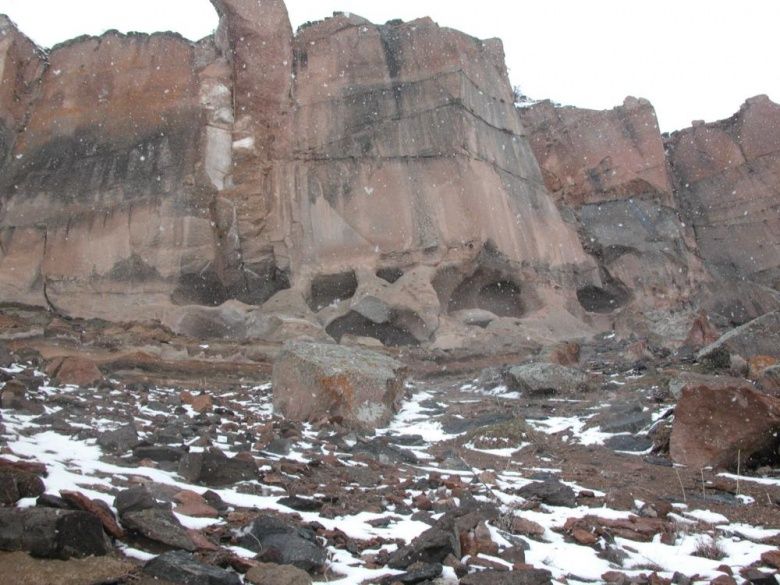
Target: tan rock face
99,199
726,176
389,160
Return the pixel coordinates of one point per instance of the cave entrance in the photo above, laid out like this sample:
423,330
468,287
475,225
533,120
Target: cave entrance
390,274
327,289
353,323
490,291
595,299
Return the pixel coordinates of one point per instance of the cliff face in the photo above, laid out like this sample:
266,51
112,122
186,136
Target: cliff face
383,166
727,176
350,179
690,218
609,170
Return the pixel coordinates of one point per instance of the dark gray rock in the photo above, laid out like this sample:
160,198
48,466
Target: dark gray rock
551,492
181,567
9,491
417,573
381,450
159,453
52,501
159,525
432,546
276,541
623,418
135,499
52,533
301,504
6,359
456,425
213,467
516,577
279,446
120,440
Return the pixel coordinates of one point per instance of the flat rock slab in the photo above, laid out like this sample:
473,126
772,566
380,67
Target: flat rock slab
361,387
276,541
271,574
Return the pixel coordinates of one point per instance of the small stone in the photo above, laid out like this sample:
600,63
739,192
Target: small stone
202,403
120,440
526,527
584,537
771,558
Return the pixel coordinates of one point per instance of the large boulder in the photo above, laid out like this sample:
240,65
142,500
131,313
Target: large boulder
213,467
361,387
277,541
52,533
723,427
76,370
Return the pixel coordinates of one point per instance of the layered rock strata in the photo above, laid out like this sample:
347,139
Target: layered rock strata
361,180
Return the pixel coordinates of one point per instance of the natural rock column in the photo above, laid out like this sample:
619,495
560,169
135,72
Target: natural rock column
256,38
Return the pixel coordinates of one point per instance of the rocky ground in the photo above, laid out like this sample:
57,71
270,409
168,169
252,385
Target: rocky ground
131,455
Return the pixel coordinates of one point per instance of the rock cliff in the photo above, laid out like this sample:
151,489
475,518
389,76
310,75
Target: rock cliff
671,220
354,179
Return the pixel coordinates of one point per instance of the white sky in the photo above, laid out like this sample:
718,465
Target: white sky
693,59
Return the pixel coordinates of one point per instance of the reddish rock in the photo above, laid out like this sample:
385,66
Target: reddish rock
190,503
701,332
96,508
633,528
75,370
723,580
716,426
202,403
584,537
771,558
757,364
525,526
589,156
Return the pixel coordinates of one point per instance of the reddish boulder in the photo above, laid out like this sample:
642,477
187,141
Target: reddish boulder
75,370
719,426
